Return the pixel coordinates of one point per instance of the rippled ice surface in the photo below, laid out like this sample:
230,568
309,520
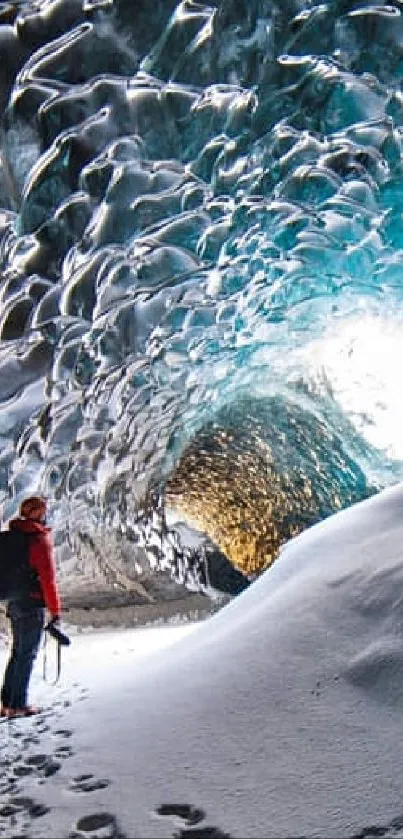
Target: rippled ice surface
201,265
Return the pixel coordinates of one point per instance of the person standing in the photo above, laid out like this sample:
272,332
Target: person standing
27,612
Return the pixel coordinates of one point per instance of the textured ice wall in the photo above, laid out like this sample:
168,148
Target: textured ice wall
193,198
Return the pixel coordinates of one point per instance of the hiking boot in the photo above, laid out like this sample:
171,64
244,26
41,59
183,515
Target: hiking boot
4,711
28,711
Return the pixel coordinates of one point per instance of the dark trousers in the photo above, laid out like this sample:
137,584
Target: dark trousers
26,627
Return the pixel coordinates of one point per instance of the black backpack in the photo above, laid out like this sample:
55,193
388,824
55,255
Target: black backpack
17,578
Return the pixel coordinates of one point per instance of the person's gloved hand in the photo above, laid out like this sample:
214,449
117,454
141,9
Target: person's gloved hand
53,627
55,620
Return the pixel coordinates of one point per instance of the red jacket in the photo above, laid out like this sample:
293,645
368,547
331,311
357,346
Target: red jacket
42,561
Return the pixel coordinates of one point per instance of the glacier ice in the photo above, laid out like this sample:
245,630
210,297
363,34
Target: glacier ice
196,205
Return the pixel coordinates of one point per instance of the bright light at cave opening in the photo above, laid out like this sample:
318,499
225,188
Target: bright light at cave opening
363,363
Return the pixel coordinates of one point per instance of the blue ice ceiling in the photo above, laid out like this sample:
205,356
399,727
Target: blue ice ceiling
201,265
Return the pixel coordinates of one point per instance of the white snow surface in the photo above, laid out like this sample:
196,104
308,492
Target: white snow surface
280,716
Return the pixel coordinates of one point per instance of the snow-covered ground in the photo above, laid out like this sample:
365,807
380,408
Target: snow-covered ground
280,716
